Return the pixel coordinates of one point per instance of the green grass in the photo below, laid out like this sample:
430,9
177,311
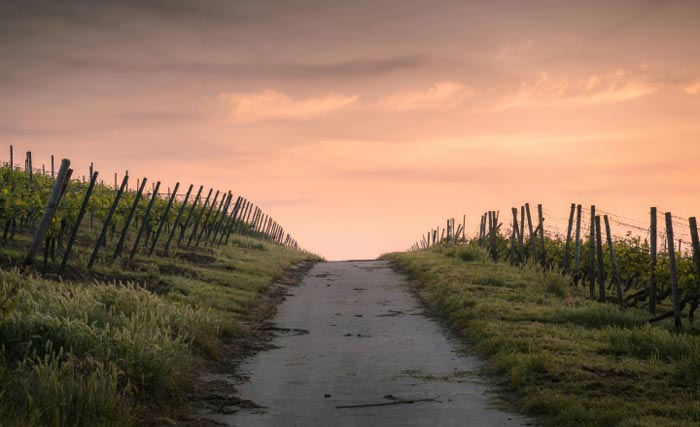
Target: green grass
564,359
86,353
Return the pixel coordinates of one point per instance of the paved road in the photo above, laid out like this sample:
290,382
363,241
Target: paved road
354,349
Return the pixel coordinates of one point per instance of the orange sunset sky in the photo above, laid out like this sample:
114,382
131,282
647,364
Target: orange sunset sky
359,125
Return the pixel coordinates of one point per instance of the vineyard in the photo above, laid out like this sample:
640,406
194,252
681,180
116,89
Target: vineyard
55,211
113,298
624,270
585,320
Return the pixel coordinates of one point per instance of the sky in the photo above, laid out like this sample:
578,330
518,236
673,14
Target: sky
360,125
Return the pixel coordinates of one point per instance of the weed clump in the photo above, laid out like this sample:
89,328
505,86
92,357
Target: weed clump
595,316
648,342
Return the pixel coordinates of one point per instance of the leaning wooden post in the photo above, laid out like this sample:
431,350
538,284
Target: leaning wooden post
49,212
206,223
129,218
577,252
613,261
224,216
517,226
591,254
108,220
532,240
74,232
565,258
494,235
164,218
197,220
215,224
144,223
674,274
696,250
521,234
232,220
189,215
652,263
512,235
481,231
492,225
601,268
178,217
541,226
237,225
249,213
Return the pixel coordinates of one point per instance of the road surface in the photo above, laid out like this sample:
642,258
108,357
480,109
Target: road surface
354,348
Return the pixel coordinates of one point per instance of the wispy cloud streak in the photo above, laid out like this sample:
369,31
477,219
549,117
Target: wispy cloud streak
272,105
596,89
440,96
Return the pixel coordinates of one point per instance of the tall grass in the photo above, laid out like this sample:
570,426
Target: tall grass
73,354
94,354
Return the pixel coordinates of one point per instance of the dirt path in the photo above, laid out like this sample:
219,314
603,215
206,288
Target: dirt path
353,348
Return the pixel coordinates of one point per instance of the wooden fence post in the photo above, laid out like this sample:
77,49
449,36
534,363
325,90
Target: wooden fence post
105,227
51,205
601,268
52,167
613,261
129,218
164,217
144,223
696,250
197,220
74,231
210,235
674,274
178,217
12,158
464,227
231,220
481,231
521,234
30,167
652,266
490,235
207,224
532,241
223,218
565,258
512,236
189,214
577,253
591,254
541,220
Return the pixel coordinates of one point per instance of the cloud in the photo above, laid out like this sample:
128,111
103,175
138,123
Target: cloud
440,96
693,88
272,105
592,90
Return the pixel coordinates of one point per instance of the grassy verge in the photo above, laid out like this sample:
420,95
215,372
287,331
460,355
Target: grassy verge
566,360
82,352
